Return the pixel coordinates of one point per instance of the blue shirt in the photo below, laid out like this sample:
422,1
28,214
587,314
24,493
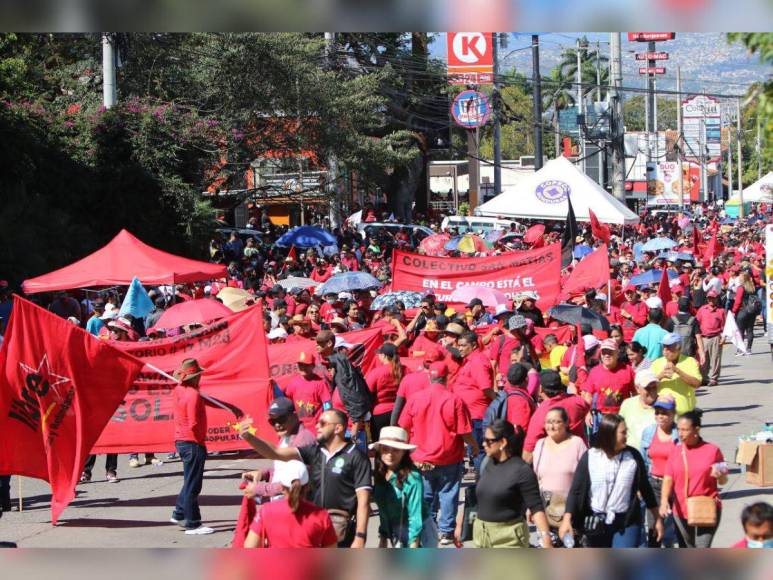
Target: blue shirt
651,337
94,325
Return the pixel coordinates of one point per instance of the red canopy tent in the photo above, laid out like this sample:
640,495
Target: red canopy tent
117,263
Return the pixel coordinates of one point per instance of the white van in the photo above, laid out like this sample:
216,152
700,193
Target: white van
474,224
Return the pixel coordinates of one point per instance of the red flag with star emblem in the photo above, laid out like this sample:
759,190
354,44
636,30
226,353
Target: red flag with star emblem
59,386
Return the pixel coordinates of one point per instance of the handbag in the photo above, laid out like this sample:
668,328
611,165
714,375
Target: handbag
555,504
701,509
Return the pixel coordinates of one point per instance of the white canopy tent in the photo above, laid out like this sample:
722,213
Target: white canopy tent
760,191
543,195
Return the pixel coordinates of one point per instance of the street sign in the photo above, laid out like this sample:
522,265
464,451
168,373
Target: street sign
650,36
652,70
471,109
470,58
651,56
701,118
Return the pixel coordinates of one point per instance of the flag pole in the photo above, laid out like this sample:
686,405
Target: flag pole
203,396
21,502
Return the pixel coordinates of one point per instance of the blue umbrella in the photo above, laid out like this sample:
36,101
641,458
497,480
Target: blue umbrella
348,281
674,256
728,221
410,299
651,277
581,251
657,244
306,237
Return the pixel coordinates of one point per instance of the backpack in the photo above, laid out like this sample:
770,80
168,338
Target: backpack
685,330
751,304
497,409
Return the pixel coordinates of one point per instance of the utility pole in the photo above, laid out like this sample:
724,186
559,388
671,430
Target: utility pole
651,122
332,162
497,126
473,165
655,120
759,147
740,161
729,162
108,70
580,107
537,91
679,139
616,126
598,73
702,148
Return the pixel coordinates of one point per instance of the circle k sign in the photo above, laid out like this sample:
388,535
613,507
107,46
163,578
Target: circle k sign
470,49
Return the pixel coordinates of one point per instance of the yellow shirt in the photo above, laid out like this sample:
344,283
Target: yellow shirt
555,360
683,394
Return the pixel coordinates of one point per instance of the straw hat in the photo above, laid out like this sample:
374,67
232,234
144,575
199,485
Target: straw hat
189,369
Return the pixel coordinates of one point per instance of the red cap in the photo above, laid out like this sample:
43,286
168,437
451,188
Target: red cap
629,288
433,355
438,370
306,356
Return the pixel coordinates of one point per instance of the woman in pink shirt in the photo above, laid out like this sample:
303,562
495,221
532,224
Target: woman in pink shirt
705,470
555,461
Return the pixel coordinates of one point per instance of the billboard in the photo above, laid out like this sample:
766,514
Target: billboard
652,70
470,58
701,113
651,56
650,36
664,186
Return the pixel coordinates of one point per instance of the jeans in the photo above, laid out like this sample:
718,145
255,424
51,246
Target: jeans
111,464
441,492
5,493
477,432
616,535
186,509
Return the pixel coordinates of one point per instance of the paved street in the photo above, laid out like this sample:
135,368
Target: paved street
135,511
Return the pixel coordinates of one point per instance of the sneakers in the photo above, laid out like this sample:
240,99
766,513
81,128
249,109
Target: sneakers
155,462
171,456
446,539
200,531
85,477
174,520
111,477
134,462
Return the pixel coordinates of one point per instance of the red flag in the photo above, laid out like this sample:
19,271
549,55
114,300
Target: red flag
713,249
664,288
600,231
293,253
59,386
696,239
591,273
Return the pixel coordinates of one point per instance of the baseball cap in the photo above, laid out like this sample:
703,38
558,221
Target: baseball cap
281,406
671,339
438,370
665,402
475,302
654,302
388,349
502,309
608,344
590,341
286,472
644,378
306,356
433,355
629,288
516,321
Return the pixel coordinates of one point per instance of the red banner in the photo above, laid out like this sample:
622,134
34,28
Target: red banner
234,353
284,357
58,388
537,271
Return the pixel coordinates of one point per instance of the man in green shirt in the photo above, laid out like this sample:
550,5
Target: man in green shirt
679,375
638,411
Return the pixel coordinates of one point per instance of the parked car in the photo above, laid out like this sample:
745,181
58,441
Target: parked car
475,224
375,229
243,233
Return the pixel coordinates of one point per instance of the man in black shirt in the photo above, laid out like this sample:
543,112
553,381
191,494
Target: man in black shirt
339,473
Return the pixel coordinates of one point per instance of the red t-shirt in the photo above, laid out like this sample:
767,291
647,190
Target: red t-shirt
330,311
436,419
423,345
308,527
308,396
499,350
575,407
612,387
412,383
518,408
321,277
473,377
384,387
700,458
659,453
190,416
711,320
639,313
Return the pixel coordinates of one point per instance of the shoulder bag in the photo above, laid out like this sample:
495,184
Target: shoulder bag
701,509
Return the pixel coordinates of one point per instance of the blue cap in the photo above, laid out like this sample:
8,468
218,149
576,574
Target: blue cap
281,406
671,339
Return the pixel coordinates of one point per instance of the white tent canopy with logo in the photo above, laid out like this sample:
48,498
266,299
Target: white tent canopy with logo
760,191
543,195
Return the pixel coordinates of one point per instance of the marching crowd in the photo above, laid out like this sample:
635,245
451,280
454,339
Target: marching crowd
586,432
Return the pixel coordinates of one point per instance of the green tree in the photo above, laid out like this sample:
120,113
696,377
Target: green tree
635,118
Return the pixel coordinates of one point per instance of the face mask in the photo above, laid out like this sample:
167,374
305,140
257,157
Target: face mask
758,544
330,300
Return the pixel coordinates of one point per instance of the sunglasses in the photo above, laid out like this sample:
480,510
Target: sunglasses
278,420
487,441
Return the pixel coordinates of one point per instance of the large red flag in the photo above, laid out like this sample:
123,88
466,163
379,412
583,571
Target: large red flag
600,231
664,288
696,239
591,273
713,249
59,386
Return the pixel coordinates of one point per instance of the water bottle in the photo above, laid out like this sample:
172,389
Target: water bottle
568,540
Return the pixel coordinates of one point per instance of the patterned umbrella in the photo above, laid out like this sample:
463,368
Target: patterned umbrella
306,237
434,245
297,282
348,281
410,299
488,296
468,244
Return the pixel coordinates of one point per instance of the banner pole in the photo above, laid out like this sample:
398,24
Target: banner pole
203,396
21,502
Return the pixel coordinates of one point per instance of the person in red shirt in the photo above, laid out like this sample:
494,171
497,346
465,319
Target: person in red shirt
301,329
308,391
349,260
439,425
190,431
292,522
554,394
474,383
699,467
322,273
414,382
314,317
383,382
633,313
427,341
331,308
610,382
520,405
711,319
502,339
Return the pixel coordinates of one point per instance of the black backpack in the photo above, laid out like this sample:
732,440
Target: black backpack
497,409
685,330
